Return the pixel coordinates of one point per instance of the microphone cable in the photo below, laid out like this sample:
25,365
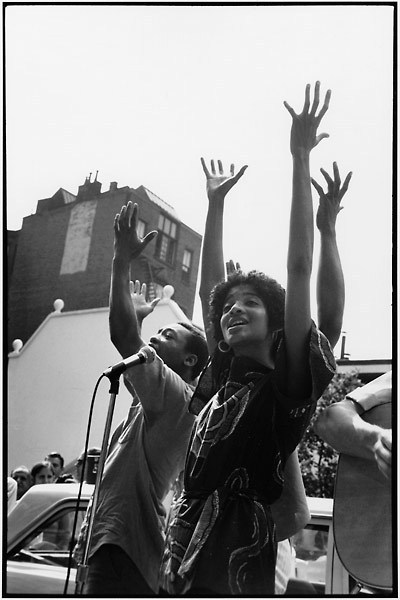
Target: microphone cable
71,548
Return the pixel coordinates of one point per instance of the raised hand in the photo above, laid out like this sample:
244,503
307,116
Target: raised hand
329,202
138,295
127,243
218,185
304,136
231,267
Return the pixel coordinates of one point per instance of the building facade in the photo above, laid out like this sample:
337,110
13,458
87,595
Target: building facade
65,250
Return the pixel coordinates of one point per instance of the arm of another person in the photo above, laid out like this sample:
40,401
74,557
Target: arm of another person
301,240
124,325
341,426
330,280
212,262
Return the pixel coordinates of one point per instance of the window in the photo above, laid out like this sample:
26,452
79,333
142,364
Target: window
187,265
141,228
310,549
166,240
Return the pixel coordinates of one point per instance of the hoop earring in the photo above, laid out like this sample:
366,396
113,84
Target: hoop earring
223,346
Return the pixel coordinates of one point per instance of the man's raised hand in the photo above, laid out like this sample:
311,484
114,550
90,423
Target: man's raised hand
219,184
127,243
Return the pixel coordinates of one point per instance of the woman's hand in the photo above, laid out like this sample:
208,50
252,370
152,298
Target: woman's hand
304,136
329,202
218,185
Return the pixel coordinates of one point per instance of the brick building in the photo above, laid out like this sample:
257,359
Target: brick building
65,250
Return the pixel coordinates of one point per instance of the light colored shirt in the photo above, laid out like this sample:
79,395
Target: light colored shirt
146,454
378,391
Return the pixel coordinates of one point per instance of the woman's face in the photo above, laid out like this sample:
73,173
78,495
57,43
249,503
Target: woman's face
45,475
244,319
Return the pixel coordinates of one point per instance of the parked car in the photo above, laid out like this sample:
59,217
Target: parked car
40,531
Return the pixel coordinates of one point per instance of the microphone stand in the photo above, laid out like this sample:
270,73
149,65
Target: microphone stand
83,567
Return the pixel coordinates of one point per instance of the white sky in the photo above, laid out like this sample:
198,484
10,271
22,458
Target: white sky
139,93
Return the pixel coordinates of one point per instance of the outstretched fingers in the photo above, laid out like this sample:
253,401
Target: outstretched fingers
290,109
317,187
345,185
316,98
306,100
325,106
205,169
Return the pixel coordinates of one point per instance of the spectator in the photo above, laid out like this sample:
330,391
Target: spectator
90,467
57,462
42,472
23,478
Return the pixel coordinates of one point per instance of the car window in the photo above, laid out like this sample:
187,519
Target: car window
310,549
52,540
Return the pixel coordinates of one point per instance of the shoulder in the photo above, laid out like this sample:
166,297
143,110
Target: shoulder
157,386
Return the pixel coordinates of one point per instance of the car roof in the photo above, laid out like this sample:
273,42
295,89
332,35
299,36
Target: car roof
37,501
320,507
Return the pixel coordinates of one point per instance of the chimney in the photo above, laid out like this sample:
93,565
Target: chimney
113,186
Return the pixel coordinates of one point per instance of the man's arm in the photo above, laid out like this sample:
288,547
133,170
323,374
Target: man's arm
301,239
124,325
341,426
212,262
330,281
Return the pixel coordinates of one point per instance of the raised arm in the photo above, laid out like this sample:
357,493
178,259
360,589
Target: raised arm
212,262
124,325
330,281
301,240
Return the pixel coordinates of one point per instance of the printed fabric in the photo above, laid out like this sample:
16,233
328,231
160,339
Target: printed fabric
221,535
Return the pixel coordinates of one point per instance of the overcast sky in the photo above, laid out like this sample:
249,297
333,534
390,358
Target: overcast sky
139,93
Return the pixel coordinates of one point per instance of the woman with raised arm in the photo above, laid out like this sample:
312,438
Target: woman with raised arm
269,366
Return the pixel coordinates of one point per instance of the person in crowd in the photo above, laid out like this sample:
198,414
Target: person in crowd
42,472
147,450
90,474
22,476
341,424
57,462
255,399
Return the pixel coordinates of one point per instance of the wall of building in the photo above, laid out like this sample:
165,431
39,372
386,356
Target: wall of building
65,251
52,378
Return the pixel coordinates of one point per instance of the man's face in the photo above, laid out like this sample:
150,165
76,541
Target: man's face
56,462
170,344
23,480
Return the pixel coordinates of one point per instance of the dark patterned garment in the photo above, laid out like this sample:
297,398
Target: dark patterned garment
221,537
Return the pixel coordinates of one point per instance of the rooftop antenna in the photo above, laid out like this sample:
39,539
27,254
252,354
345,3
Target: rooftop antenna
90,175
96,175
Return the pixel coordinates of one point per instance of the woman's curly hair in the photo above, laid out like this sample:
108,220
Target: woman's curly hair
270,291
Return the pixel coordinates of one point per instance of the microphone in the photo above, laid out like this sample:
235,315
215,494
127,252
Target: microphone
145,355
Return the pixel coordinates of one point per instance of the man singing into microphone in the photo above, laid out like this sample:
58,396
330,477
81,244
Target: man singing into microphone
147,450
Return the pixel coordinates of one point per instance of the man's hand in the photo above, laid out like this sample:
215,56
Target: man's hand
218,185
383,453
329,202
303,137
127,243
138,295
